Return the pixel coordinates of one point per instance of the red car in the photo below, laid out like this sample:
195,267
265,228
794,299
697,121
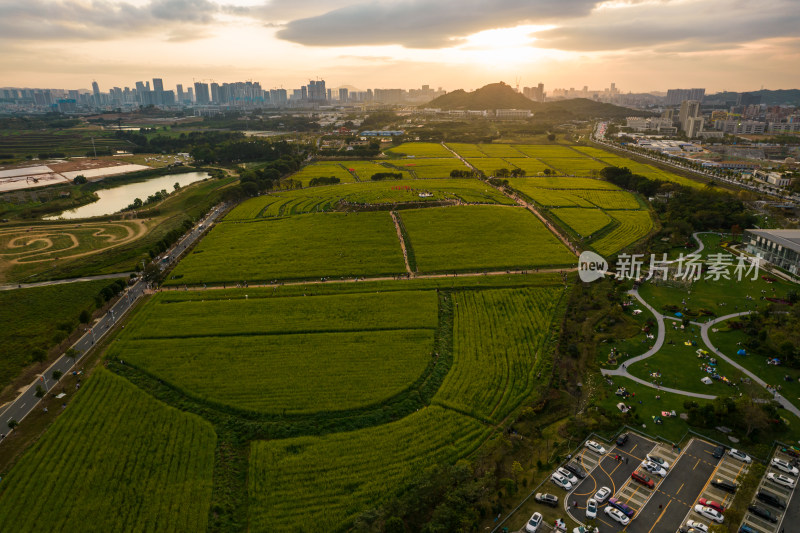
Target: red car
644,480
710,503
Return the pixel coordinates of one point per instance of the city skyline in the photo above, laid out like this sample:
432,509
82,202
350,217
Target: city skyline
641,45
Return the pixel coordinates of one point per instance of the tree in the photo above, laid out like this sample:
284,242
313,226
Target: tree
39,391
71,353
394,525
79,180
751,415
12,424
57,374
551,137
85,316
176,186
38,355
547,172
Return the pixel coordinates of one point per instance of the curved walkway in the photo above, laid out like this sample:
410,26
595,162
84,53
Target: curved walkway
704,334
622,370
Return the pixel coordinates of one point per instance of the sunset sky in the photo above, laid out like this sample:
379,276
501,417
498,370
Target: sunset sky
640,45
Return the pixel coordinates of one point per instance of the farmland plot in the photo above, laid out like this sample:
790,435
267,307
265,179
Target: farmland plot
118,460
583,222
633,225
420,150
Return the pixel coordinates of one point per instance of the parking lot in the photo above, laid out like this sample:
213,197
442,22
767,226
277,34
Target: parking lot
788,516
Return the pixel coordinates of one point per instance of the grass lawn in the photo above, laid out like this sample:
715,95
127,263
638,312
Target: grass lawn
680,367
301,247
727,342
481,238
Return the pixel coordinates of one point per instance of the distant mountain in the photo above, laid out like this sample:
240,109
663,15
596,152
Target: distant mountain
768,97
502,96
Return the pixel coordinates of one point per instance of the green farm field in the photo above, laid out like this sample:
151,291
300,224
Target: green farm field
481,238
116,460
323,169
500,346
313,354
500,150
419,150
340,197
465,150
301,247
30,320
584,222
433,168
364,170
633,225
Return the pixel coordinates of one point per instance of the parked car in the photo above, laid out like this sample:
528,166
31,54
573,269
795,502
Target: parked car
699,526
602,494
782,479
622,439
533,524
591,509
653,468
771,498
711,503
569,476
727,486
561,481
583,529
783,466
718,452
747,529
658,460
741,456
618,505
547,499
762,512
643,479
595,447
617,515
708,512
576,469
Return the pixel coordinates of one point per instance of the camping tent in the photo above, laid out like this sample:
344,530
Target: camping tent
741,351
707,380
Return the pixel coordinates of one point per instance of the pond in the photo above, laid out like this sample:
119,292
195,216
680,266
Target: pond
118,198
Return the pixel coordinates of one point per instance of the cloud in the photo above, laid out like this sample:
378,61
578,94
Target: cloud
103,19
681,26
424,24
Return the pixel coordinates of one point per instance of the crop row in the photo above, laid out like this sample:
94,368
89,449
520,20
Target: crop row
117,460
498,349
633,225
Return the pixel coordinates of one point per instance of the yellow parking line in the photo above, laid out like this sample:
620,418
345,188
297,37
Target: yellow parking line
659,516
679,489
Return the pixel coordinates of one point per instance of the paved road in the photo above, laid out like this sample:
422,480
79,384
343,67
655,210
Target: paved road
12,286
622,370
704,328
27,401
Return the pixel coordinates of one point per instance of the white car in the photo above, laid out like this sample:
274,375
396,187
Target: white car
658,460
602,494
617,515
533,524
741,456
782,479
782,465
653,468
561,481
595,447
708,512
699,526
568,475
583,529
591,509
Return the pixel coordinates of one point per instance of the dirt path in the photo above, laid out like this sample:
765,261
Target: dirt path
402,242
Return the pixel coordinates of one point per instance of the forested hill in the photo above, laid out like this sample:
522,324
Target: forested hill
502,96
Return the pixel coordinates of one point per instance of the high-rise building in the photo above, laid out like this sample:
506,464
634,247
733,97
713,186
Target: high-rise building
277,97
316,91
215,93
746,99
179,93
201,94
342,95
694,125
158,91
96,93
676,96
689,109
534,93
190,95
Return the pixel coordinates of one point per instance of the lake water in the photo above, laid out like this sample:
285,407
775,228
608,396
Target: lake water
118,198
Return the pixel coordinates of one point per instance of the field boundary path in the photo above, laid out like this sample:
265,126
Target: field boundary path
27,401
622,369
704,334
402,242
11,286
458,156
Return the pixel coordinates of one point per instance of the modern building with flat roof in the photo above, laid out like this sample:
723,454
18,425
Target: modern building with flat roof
781,247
